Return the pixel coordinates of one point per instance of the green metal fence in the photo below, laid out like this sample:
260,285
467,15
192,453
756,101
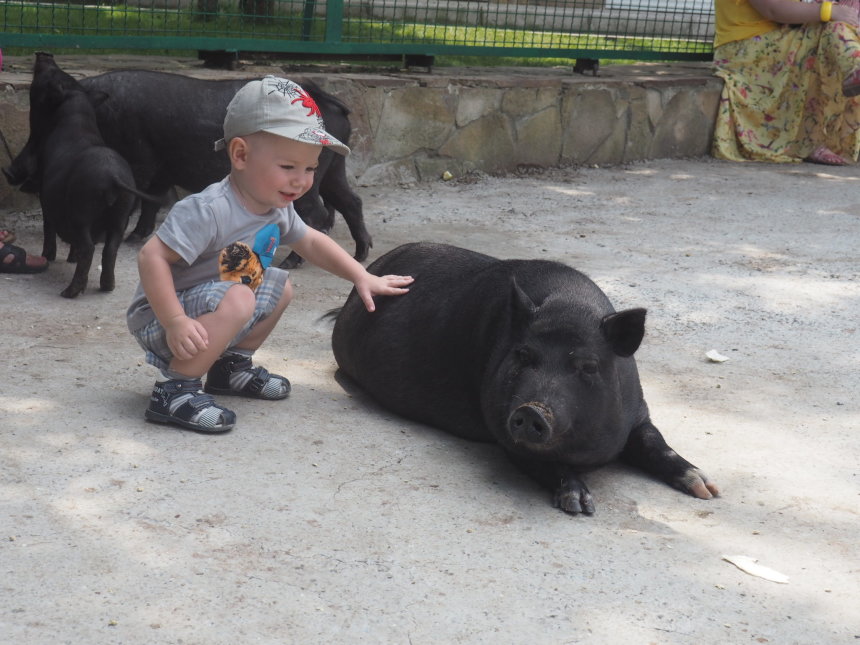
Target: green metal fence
629,29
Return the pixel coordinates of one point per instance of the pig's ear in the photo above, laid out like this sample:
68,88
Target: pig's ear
97,97
624,330
522,305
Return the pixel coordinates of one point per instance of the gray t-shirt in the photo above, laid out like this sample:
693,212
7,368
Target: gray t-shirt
201,225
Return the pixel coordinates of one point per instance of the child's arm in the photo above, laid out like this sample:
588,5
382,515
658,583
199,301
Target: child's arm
185,336
325,253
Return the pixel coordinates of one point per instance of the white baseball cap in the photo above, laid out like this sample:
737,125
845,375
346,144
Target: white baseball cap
279,106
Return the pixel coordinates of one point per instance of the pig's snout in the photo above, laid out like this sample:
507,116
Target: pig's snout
13,178
531,423
16,177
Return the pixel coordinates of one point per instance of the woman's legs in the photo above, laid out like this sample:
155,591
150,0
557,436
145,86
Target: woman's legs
783,97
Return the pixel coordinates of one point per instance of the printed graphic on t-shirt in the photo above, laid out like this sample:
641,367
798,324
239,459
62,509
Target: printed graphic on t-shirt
239,263
266,243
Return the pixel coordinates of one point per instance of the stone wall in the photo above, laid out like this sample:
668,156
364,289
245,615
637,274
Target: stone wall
14,130
413,127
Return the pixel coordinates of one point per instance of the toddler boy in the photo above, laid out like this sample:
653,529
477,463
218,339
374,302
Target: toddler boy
208,295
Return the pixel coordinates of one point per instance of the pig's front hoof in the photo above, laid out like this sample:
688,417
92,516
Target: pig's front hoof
362,249
696,483
136,238
572,496
292,261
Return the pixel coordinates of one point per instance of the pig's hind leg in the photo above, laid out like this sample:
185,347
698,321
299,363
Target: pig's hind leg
337,194
146,221
647,449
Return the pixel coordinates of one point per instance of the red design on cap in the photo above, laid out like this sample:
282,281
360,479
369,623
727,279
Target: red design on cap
307,102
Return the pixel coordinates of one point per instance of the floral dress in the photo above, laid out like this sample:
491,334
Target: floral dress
782,96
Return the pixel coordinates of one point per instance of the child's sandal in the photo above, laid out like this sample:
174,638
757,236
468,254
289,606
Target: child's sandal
184,404
235,375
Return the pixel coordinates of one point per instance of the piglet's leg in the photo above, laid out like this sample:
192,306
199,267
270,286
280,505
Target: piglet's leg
646,449
84,250
49,245
570,493
79,279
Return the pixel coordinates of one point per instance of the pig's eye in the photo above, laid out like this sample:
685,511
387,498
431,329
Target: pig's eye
524,356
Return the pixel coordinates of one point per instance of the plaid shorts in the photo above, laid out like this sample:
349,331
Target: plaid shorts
203,299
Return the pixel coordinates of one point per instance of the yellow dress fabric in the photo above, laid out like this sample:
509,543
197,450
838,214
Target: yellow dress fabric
782,96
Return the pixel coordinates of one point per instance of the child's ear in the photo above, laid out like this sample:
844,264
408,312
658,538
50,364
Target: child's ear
237,150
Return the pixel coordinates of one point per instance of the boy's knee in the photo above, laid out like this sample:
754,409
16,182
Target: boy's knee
239,300
286,295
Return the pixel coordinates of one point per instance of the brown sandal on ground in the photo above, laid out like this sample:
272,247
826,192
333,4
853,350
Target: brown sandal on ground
6,236
825,156
14,259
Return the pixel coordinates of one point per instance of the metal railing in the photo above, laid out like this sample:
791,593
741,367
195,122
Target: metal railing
628,29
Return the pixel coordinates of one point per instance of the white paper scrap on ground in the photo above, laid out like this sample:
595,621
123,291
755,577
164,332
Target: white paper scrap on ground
715,357
749,565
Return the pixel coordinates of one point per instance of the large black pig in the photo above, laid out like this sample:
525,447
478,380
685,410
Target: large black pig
527,353
87,189
165,126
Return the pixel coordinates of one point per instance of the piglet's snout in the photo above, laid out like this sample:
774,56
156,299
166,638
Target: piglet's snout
531,423
12,176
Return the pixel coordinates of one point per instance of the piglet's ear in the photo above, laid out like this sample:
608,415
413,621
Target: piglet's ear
624,330
97,97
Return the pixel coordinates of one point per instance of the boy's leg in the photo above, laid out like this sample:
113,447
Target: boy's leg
234,373
222,325
260,332
178,396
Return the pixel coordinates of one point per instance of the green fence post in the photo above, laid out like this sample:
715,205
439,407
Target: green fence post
308,19
334,21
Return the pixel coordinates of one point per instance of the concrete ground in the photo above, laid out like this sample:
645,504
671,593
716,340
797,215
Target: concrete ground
326,519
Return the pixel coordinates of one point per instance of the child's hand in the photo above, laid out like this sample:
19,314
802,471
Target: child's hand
186,337
387,285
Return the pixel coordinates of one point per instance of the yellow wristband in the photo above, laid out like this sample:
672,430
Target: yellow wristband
826,11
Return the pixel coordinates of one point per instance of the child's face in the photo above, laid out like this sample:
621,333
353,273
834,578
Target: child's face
271,171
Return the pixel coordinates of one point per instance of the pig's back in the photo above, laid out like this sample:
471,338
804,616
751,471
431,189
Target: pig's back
412,354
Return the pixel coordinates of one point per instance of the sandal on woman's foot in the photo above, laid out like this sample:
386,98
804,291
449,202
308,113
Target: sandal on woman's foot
235,375
184,404
14,259
851,84
823,155
7,236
